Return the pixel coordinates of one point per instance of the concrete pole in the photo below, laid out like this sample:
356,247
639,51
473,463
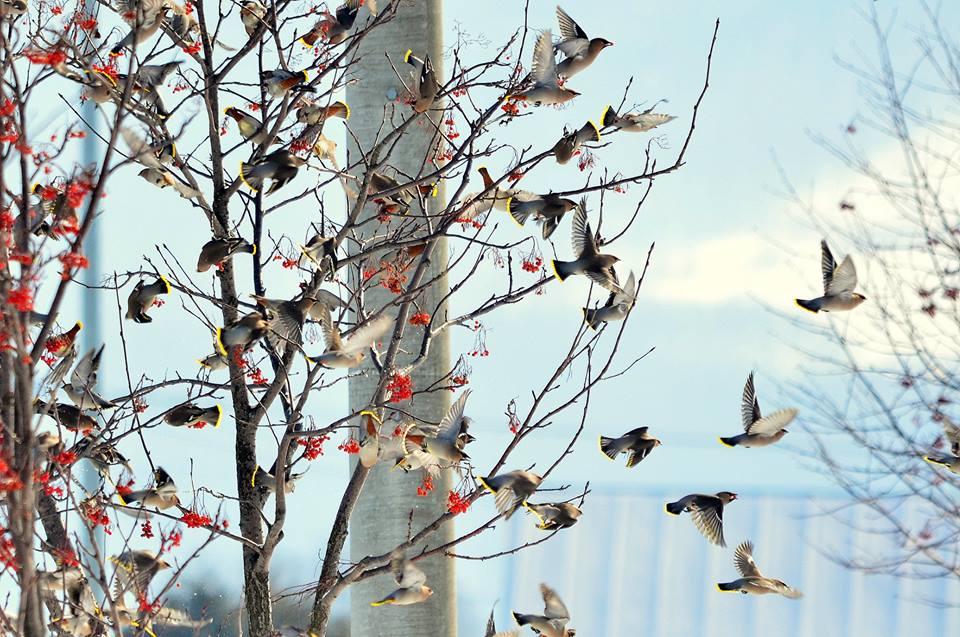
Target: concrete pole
381,518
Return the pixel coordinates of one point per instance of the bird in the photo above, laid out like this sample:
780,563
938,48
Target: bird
758,431
102,455
213,362
425,83
321,251
334,28
166,179
578,48
340,354
81,388
952,460
411,583
267,480
147,21
616,308
499,195
589,262
142,296
553,622
280,166
191,415
512,489
251,128
752,580
161,495
252,15
141,151
70,417
216,251
280,81
491,629
638,443
634,122
135,570
444,443
546,89
61,344
547,209
13,8
555,515
398,200
706,511
838,285
242,332
145,82
570,143
314,112
370,447
286,319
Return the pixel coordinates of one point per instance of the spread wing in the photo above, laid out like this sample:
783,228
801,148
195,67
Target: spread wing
544,68
581,237
331,334
773,423
844,278
709,521
743,559
629,293
606,278
553,606
449,427
573,39
827,264
749,405
85,373
140,150
365,336
406,572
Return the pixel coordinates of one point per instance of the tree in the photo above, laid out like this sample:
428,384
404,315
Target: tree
885,387
162,119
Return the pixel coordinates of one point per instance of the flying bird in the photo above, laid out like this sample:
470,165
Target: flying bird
425,83
82,386
334,28
286,318
578,48
589,262
350,353
634,122
216,251
280,81
162,495
252,15
510,490
166,179
752,580
411,583
321,251
706,511
242,332
135,571
554,515
190,415
149,17
616,308
546,89
251,128
547,209
839,281
570,143
637,443
280,166
553,622
952,460
142,296
758,430
444,444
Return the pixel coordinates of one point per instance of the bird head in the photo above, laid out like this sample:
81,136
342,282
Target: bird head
427,591
727,496
859,297
656,442
600,43
162,564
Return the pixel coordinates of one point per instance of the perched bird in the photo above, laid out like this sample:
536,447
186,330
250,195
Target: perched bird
952,460
759,431
216,251
349,354
511,489
263,479
589,262
142,297
616,308
444,444
67,416
314,113
242,332
838,285
278,82
411,583
161,495
638,443
280,166
547,209
149,17
425,83
191,415
213,362
546,89
706,511
578,49
166,179
251,128
135,571
252,14
334,28
555,515
82,386
634,122
61,344
570,143
12,8
752,580
321,251
553,622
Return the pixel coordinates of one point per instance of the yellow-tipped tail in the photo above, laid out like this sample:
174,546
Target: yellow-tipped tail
173,150
218,339
553,267
366,412
603,115
487,486
120,499
346,107
254,253
78,325
596,129
166,283
381,602
306,76
541,522
253,478
406,56
247,183
724,442
600,447
219,416
799,303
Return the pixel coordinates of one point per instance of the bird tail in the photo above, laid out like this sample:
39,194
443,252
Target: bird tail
810,305
386,600
589,132
550,224
310,38
140,317
673,508
729,442
218,338
486,484
609,116
608,448
248,175
248,247
727,587
590,318
561,269
935,460
522,620
517,212
219,416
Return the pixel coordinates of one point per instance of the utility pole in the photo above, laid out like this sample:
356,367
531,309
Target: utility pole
381,518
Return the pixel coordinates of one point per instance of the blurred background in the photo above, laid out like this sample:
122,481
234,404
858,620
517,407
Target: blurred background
731,254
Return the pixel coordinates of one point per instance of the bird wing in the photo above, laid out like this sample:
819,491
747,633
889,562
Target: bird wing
605,278
366,335
544,67
844,278
569,29
177,617
491,625
140,150
629,291
749,405
428,77
553,606
952,433
142,11
827,264
709,521
581,238
405,572
743,560
773,423
85,373
331,334
449,427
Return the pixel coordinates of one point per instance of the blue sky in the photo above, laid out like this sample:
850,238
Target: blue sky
727,246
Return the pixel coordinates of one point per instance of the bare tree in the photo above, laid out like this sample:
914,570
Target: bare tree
883,392
163,127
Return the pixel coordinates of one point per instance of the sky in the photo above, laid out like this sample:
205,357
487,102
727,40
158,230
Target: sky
731,254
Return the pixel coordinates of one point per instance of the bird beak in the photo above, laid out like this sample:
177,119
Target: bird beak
733,496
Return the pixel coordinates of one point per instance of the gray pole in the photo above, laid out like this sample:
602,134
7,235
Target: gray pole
381,518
